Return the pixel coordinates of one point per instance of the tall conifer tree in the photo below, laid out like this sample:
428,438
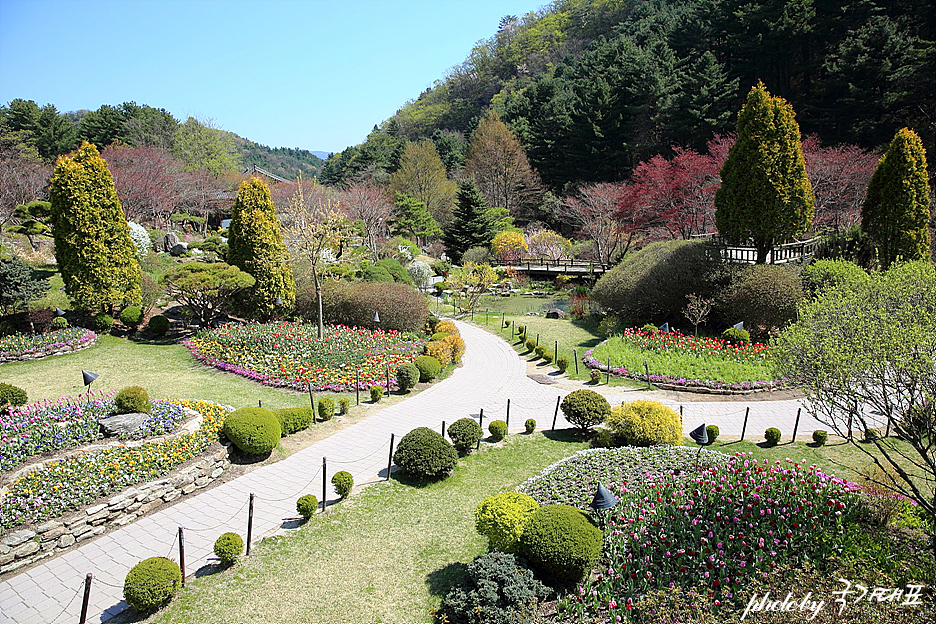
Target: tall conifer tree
255,244
93,249
473,225
765,194
896,212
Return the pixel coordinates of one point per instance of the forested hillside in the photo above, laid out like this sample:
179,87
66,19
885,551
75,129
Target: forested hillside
594,87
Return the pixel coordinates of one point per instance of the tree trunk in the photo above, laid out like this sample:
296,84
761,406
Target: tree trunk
318,298
763,250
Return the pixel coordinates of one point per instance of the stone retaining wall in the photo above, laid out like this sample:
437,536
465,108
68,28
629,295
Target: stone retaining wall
25,546
62,350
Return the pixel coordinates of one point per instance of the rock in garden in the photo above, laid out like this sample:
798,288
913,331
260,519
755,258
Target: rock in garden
555,313
18,537
123,424
170,241
178,249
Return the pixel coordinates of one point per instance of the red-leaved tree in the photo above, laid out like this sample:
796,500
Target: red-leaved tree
595,215
147,181
839,177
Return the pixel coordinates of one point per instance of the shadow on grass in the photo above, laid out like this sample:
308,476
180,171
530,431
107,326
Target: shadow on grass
445,578
145,338
567,435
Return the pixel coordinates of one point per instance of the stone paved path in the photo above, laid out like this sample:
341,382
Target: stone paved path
50,593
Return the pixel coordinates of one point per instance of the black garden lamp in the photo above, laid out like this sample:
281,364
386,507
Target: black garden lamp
376,319
59,312
601,503
87,378
664,327
278,302
700,437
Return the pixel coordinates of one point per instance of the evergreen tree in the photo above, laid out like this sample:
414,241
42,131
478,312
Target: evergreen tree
255,244
93,249
765,194
896,212
18,285
411,218
472,225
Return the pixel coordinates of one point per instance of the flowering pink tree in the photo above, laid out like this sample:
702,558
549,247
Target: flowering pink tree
839,177
149,181
368,204
594,213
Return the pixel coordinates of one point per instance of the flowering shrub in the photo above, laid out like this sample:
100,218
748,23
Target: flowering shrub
715,528
61,486
291,355
70,421
18,345
684,360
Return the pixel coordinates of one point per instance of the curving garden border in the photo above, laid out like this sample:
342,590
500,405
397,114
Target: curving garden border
681,384
59,348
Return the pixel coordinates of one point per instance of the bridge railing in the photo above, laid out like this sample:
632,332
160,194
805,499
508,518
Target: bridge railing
781,254
565,264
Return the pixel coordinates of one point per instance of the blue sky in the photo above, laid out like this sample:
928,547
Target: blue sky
312,74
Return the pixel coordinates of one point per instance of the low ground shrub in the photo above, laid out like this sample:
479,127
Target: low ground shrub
498,429
736,336
306,506
424,454
343,482
560,544
464,434
645,423
294,419
159,325
772,436
11,396
132,399
151,583
594,376
344,405
253,430
497,589
59,322
228,548
585,408
764,296
102,323
407,376
131,316
446,327
326,408
401,306
562,363
530,345
712,432
820,437
376,393
530,425
440,350
503,517
429,367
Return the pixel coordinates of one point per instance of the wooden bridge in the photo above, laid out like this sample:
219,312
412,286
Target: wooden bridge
549,267
747,254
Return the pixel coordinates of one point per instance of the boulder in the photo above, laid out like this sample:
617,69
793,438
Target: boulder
123,424
178,249
555,313
170,241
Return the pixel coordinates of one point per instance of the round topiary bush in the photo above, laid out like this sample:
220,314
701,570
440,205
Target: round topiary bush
343,482
151,583
820,437
772,436
712,431
464,434
11,396
429,367
446,327
440,350
539,350
253,430
376,393
306,506
424,454
344,405
585,408
530,425
293,419
645,423
228,548
458,346
736,336
562,363
131,316
530,345
407,376
498,430
560,544
132,399
503,517
59,322
102,322
326,408
497,589
764,296
159,325
594,376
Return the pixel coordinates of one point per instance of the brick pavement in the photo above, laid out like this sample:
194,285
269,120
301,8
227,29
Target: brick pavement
50,593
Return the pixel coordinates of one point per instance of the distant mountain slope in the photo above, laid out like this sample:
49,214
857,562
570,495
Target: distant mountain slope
286,162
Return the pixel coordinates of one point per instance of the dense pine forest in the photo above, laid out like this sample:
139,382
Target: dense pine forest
594,87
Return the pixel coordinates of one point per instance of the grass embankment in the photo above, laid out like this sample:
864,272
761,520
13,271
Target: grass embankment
388,554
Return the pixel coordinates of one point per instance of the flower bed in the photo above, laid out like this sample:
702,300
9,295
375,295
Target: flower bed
713,528
35,346
61,486
685,361
291,355
48,426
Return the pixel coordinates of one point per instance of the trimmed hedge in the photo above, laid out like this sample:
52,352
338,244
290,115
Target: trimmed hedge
253,430
376,393
132,399
407,376
645,423
159,325
465,434
151,583
498,430
585,408
326,408
424,454
503,517
228,548
560,544
306,506
293,419
772,435
429,367
11,395
343,482
401,306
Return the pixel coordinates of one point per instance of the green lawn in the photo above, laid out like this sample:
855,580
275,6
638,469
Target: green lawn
388,554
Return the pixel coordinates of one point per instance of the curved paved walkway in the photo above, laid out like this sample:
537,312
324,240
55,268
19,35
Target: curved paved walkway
50,593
